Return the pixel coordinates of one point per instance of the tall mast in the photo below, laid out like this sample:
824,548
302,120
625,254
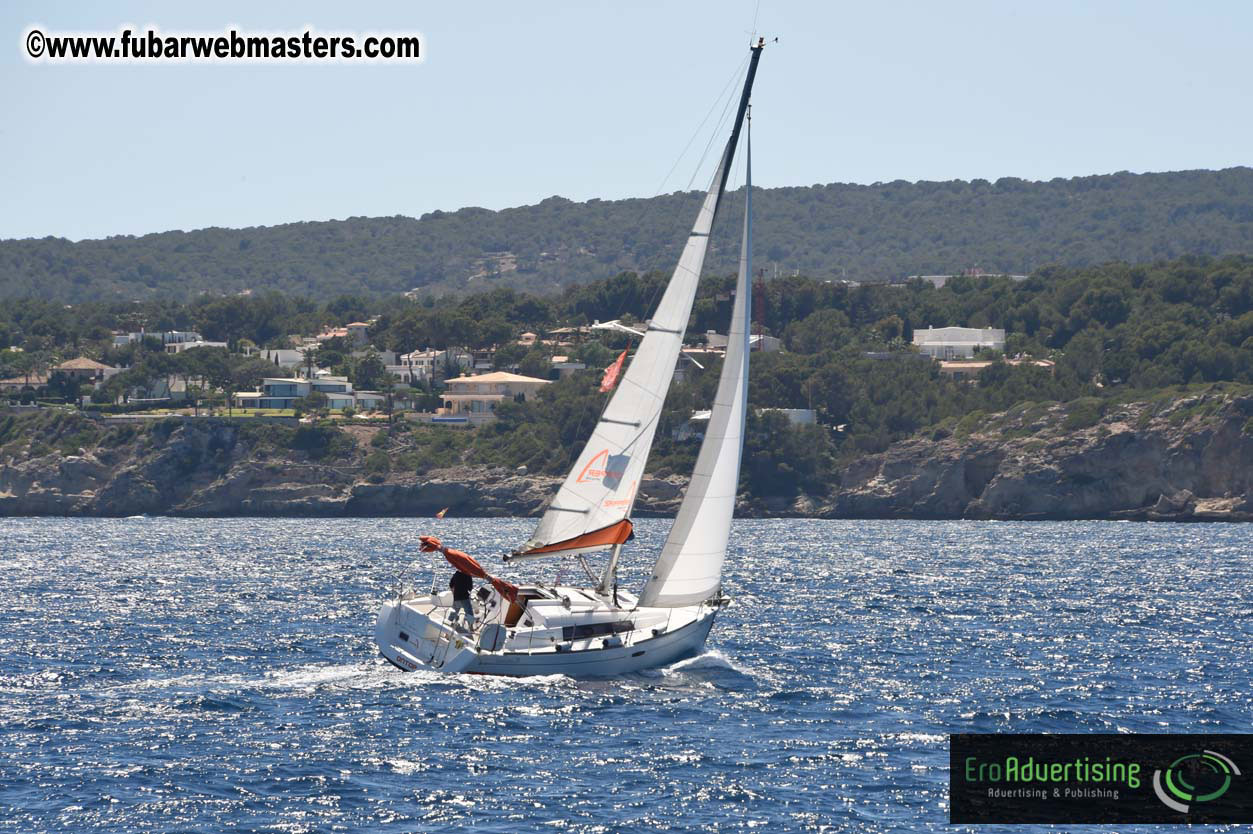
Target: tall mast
745,95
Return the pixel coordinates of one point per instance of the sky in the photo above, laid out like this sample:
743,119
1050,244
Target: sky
516,102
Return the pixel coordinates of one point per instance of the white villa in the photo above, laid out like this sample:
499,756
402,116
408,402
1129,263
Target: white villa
958,342
418,366
279,357
428,365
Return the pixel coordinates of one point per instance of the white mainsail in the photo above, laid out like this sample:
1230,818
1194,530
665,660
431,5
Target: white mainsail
592,507
689,569
600,490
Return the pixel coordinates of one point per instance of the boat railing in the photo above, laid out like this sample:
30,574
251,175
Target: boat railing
410,580
412,583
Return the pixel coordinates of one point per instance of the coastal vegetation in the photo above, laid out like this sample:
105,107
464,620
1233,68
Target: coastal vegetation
1112,332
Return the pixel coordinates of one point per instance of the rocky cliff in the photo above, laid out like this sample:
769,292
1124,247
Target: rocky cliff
1166,458
1170,457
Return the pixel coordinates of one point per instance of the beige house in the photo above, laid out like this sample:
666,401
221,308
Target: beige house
359,332
478,396
18,384
86,370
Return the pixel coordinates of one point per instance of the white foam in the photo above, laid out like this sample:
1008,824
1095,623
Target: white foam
710,659
309,677
406,767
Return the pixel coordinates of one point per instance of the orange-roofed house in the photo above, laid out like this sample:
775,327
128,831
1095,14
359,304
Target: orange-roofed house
359,332
476,397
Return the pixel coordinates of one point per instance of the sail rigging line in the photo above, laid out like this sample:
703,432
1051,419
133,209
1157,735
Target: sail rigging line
739,69
722,119
713,134
651,304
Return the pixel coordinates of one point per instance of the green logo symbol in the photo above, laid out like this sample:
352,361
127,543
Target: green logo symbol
1196,777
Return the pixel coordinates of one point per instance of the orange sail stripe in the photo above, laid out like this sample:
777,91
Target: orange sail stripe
616,533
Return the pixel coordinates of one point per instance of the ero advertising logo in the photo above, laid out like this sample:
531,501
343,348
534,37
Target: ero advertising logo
1196,777
1099,778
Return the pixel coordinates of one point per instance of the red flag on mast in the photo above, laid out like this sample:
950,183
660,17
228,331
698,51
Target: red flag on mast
612,372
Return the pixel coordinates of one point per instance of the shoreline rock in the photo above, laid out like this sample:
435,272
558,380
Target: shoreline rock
1189,460
1185,459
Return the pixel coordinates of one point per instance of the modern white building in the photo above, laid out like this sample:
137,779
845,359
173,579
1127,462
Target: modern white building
370,400
419,366
283,392
699,421
958,342
795,416
168,337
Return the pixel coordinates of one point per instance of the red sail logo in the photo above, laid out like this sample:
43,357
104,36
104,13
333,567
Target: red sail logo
597,469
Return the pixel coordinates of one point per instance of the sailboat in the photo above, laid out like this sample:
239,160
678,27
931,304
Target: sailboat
602,630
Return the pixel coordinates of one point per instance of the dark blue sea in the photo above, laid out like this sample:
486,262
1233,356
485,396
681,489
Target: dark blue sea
220,675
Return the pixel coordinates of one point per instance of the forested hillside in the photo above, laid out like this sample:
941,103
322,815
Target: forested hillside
1157,356
1114,331
876,232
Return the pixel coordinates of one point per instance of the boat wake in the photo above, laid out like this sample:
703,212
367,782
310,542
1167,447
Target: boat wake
708,659
368,675
379,675
714,668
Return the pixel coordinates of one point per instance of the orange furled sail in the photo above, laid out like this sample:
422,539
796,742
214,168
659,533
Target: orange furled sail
467,564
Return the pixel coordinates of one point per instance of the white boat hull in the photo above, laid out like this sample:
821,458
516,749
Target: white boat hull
412,635
597,663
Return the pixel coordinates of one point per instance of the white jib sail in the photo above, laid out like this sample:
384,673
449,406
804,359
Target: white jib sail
689,569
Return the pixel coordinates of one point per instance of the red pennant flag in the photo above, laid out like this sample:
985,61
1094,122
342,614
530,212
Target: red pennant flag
612,372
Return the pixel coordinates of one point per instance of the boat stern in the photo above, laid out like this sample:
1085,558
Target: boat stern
411,636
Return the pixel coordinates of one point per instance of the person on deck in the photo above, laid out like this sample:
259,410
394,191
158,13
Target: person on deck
462,584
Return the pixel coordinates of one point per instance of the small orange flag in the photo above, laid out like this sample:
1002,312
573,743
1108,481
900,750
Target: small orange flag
611,373
440,514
